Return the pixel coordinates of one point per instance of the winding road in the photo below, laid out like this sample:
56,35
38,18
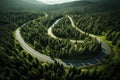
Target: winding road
82,63
52,35
89,62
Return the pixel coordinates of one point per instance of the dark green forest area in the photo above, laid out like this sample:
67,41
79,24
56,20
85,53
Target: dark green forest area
101,24
15,63
100,19
65,30
35,33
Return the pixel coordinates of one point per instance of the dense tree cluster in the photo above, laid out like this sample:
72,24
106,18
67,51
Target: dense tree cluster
101,24
35,33
64,29
16,64
114,36
98,23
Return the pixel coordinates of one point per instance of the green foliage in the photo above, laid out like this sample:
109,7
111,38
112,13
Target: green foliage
113,36
16,64
63,29
35,33
98,23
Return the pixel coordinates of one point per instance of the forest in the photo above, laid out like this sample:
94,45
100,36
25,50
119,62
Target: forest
15,63
64,29
101,20
35,33
101,24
